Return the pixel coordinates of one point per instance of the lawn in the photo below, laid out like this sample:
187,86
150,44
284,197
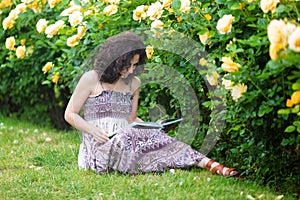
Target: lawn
41,163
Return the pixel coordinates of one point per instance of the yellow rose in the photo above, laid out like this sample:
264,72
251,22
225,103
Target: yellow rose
70,10
41,25
242,6
55,77
23,41
289,103
73,40
227,83
8,23
149,51
276,32
185,6
294,40
295,98
20,52
225,23
88,13
178,19
157,24
81,31
75,18
237,91
155,11
274,49
59,24
5,4
29,50
113,1
229,66
167,4
21,7
47,67
13,14
100,26
10,43
268,5
213,78
53,29
35,5
110,10
140,13
53,3
208,17
204,37
203,62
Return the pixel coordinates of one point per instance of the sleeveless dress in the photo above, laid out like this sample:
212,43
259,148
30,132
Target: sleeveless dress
131,150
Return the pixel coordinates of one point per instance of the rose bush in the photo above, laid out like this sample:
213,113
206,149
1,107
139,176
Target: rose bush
252,66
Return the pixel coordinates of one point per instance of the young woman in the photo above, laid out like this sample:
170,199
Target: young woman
109,94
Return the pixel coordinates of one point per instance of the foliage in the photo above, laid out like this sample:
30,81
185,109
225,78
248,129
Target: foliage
236,60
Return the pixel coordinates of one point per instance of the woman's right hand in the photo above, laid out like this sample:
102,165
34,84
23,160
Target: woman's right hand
100,134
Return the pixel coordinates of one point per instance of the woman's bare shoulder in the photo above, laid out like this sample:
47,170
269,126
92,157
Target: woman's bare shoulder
90,77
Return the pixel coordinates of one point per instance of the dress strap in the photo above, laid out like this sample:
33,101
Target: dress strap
130,85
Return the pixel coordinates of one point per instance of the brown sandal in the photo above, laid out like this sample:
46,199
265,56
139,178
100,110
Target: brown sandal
230,172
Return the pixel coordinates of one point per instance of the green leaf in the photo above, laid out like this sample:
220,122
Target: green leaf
176,5
296,123
296,86
296,109
268,110
261,112
251,7
220,1
77,2
284,111
282,8
285,142
237,127
290,129
207,104
276,66
46,82
235,6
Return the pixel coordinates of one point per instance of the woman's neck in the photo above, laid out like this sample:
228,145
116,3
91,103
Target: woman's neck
118,85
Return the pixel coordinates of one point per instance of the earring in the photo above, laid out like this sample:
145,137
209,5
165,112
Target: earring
123,76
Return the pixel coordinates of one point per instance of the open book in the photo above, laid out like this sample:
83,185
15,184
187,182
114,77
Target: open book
155,125
151,125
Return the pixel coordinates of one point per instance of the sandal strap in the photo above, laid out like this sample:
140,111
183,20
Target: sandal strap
219,168
208,165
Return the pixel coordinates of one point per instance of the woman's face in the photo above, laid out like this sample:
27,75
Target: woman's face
133,64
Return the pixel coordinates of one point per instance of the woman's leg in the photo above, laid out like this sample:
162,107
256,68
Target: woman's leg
215,167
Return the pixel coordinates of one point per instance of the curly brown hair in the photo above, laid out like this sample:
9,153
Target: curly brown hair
115,54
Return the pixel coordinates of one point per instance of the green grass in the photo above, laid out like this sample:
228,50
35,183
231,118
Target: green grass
41,163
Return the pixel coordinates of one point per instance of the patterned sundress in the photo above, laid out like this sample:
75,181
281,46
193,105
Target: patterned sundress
131,150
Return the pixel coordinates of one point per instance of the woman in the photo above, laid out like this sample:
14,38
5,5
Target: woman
109,94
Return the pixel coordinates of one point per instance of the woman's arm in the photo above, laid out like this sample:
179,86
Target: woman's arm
136,84
79,96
